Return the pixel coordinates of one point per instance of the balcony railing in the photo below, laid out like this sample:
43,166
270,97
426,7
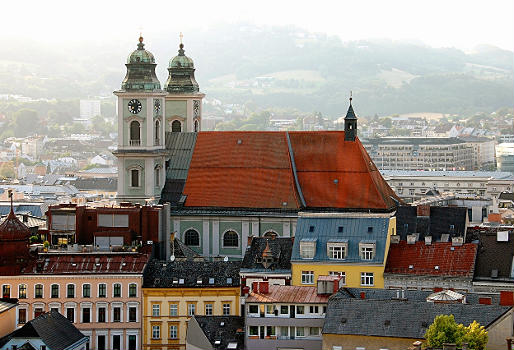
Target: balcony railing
135,142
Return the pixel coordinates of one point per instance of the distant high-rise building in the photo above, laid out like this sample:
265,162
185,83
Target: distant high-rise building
505,157
89,108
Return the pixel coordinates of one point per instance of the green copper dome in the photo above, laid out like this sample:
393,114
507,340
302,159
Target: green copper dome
181,78
141,71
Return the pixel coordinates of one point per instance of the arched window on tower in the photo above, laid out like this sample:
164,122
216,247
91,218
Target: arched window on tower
135,134
157,133
157,172
176,126
197,125
230,239
192,238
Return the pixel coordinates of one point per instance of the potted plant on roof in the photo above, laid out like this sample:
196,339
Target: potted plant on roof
46,244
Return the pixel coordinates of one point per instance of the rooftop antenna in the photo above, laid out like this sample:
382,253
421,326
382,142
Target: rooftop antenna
181,36
351,97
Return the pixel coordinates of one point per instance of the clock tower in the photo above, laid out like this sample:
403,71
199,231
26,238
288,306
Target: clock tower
141,107
183,97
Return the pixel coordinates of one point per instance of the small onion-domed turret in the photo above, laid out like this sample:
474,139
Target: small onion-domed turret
181,78
141,71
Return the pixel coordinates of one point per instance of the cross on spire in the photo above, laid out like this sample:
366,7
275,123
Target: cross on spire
181,36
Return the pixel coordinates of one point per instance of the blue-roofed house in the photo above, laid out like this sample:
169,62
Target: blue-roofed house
352,245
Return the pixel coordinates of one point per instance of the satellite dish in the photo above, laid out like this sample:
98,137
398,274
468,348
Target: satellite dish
172,258
225,259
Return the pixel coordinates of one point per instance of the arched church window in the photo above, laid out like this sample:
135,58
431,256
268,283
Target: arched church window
197,125
192,238
135,136
157,133
230,239
134,178
176,126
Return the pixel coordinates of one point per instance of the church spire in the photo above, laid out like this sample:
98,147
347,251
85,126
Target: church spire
350,123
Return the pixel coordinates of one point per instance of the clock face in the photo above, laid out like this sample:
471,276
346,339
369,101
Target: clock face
157,106
134,106
196,108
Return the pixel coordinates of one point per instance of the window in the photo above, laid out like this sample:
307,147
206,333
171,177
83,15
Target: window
208,309
134,177
86,315
38,311
117,290
54,309
132,311
116,342
22,291
54,291
70,291
367,251
370,229
314,331
340,274
157,133
100,342
307,277
270,331
132,342
102,290
156,310
192,238
132,290
253,309
367,279
38,291
113,220
230,239
300,309
156,332
101,314
116,314
176,126
173,309
284,331
307,249
284,309
173,332
191,309
311,228
254,330
300,331
314,309
70,314
6,291
86,290
22,316
157,176
226,309
197,125
135,137
337,251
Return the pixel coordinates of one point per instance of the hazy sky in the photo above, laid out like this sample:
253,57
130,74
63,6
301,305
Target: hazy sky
459,23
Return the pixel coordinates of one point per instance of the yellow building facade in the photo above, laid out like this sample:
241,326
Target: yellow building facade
168,307
361,256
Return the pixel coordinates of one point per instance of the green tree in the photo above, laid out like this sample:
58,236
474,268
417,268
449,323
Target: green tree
444,329
476,336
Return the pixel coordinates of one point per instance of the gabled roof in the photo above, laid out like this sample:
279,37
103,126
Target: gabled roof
421,259
355,229
56,332
277,171
280,249
222,329
400,318
186,274
289,294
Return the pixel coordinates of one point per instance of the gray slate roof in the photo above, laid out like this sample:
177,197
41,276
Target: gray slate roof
53,328
232,330
400,318
281,249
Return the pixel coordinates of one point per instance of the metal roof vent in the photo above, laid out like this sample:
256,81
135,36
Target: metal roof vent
211,280
181,281
222,324
217,342
73,264
436,267
411,267
239,141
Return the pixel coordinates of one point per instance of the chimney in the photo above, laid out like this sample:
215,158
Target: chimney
457,241
255,287
509,343
428,240
506,298
411,239
423,210
395,239
264,287
336,284
25,218
363,295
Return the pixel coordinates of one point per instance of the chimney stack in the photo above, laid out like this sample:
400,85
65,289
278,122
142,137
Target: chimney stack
428,240
264,287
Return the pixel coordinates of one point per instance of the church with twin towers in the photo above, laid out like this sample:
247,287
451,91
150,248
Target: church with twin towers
146,112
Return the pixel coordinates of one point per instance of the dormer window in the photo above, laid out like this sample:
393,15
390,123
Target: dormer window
307,248
367,250
340,229
337,250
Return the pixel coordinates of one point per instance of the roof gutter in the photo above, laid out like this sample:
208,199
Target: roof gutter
293,166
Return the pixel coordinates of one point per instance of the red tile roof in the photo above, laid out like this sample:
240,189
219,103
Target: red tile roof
289,294
423,258
88,264
249,169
